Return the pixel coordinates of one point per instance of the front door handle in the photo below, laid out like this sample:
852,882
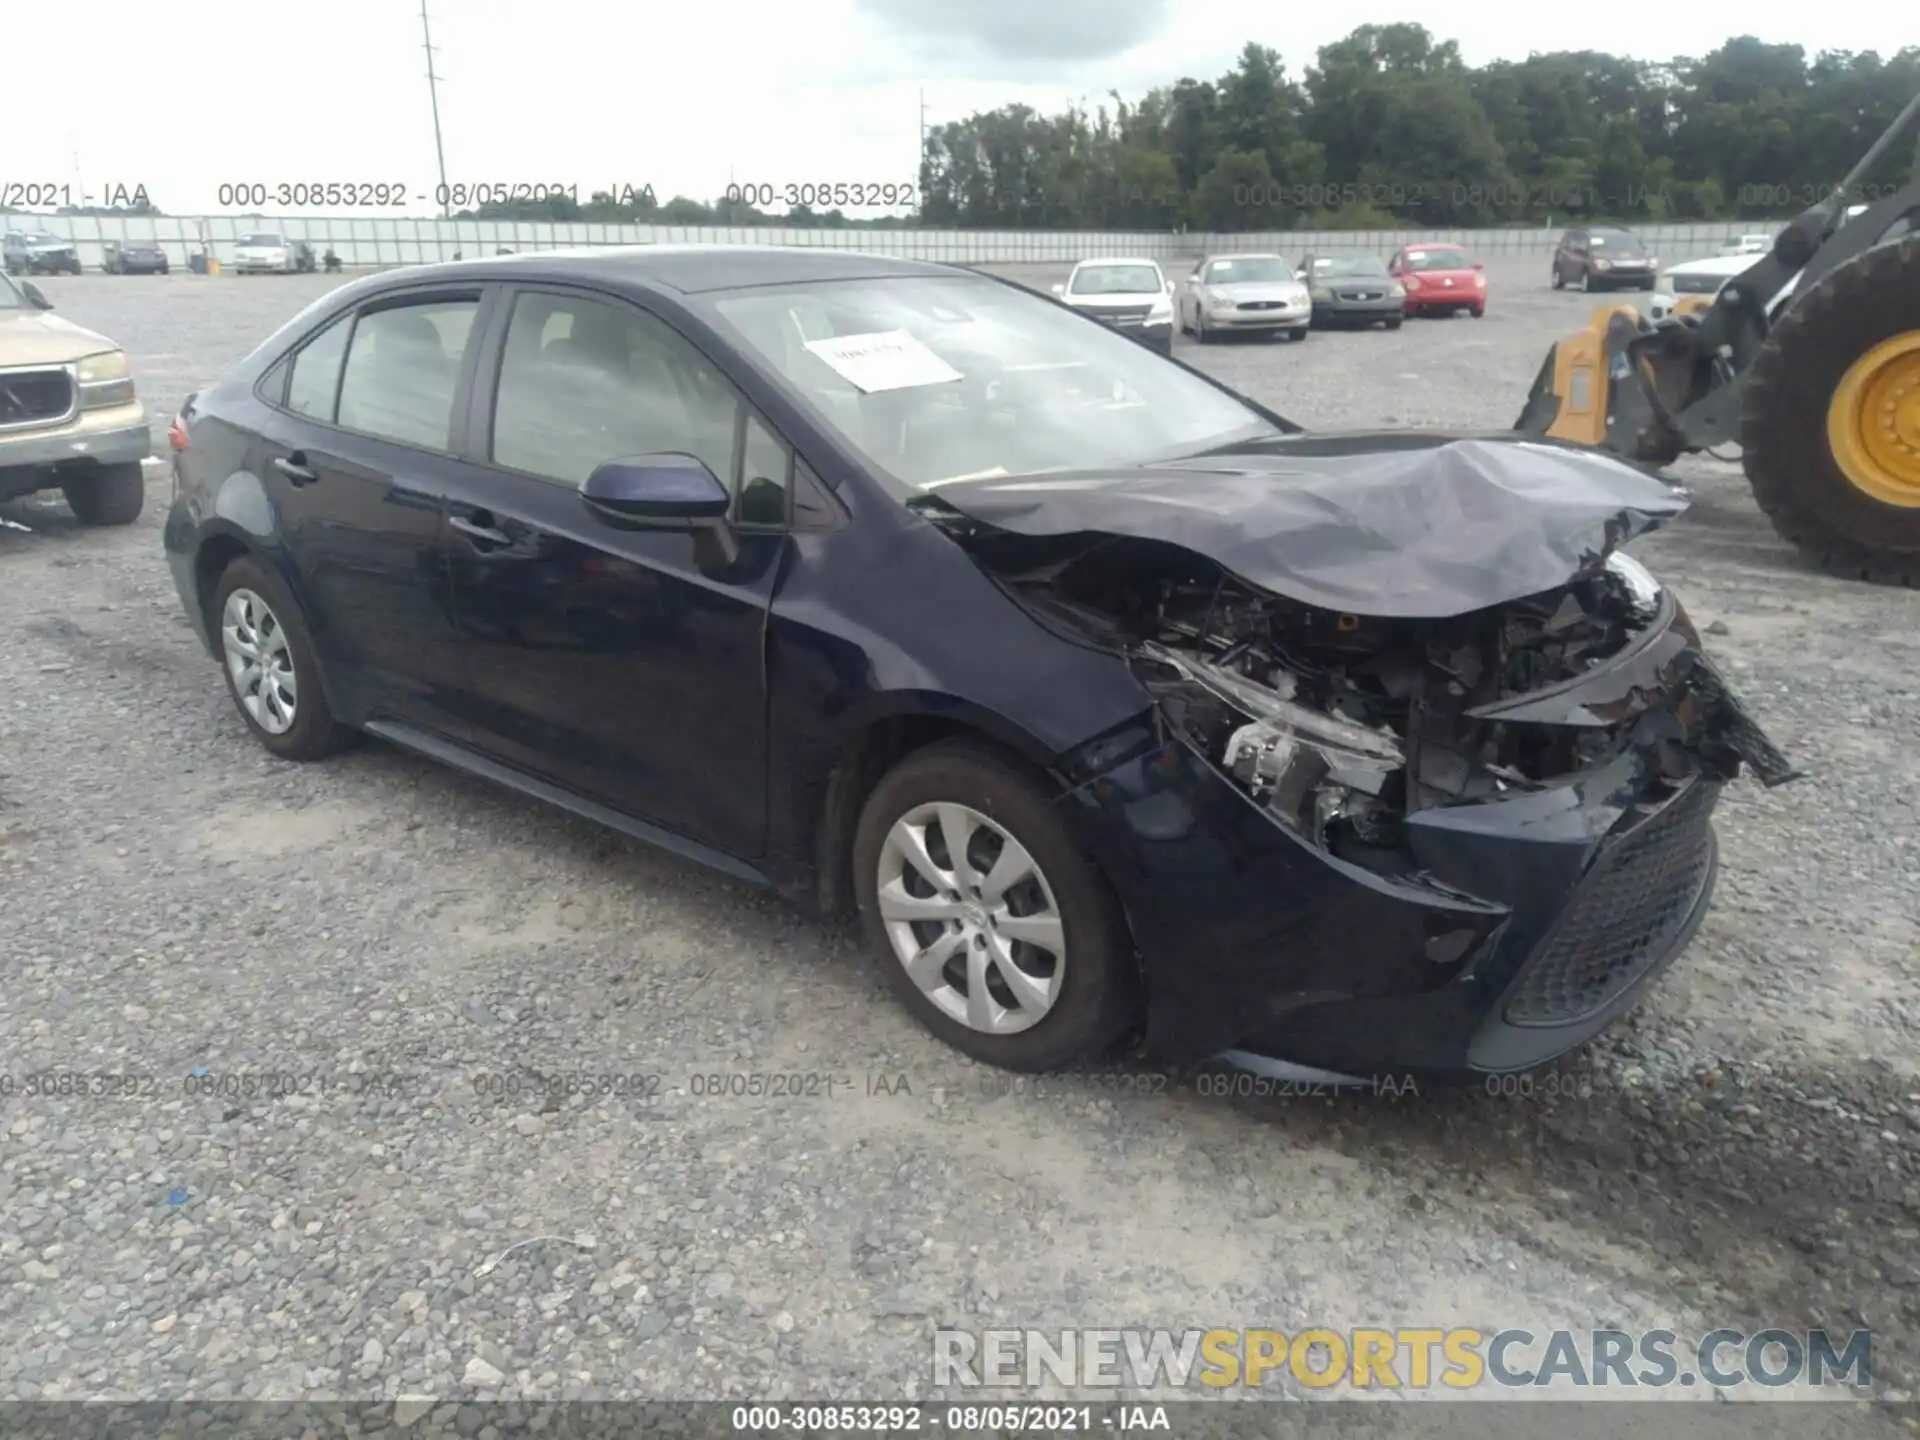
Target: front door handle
294,467
478,531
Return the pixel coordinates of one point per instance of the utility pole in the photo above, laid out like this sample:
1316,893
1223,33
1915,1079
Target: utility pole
433,94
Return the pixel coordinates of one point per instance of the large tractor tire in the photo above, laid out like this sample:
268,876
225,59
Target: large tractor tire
1830,433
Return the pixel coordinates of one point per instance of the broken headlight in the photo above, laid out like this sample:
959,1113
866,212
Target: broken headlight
1307,767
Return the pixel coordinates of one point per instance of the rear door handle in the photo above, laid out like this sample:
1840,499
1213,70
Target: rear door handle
479,531
294,469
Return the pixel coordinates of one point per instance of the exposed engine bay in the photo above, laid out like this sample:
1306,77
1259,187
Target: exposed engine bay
1343,725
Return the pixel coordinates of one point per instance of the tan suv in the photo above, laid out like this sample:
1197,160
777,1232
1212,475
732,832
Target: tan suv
69,419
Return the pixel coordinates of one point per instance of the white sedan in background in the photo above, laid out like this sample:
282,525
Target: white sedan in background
1132,296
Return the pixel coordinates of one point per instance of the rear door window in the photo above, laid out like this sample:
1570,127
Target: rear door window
403,369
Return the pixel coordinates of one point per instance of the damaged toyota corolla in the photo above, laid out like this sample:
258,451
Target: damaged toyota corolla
1120,707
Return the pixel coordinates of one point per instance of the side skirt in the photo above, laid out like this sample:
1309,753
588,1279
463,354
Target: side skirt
461,758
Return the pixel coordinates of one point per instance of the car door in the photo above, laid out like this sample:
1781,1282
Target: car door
355,451
625,665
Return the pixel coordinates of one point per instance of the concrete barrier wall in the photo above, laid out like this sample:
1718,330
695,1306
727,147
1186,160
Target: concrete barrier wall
384,241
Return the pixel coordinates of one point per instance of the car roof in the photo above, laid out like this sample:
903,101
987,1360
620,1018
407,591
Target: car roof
1246,255
688,269
1116,260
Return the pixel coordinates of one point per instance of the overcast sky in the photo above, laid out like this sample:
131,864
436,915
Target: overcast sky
684,97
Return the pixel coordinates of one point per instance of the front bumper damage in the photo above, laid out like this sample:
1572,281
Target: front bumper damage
1459,834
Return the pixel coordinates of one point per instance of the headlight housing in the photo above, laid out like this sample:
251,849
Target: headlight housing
1397,290
105,380
1321,292
1162,308
1299,762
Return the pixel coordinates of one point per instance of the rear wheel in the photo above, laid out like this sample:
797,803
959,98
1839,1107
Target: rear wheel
106,494
990,924
272,669
1559,280
1831,424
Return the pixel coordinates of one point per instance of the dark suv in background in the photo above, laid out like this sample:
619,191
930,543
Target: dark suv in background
1603,257
33,252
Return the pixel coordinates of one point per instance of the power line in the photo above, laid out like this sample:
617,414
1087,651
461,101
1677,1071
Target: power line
433,95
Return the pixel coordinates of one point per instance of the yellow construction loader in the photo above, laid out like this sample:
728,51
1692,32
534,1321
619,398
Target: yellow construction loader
1809,361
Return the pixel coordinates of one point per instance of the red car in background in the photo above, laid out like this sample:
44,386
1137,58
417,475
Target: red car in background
1440,280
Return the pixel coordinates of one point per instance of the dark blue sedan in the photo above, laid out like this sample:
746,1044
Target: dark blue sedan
1119,708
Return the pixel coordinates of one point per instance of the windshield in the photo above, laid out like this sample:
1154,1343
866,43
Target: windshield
1617,240
265,242
1437,260
1338,265
10,296
1116,280
942,378
1249,269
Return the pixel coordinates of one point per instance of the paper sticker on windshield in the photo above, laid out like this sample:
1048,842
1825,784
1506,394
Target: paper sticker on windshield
885,360
1416,254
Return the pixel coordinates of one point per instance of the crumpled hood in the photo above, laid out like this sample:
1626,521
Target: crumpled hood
1388,524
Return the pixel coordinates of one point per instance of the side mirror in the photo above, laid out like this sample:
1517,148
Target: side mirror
32,292
665,492
1479,265
1059,289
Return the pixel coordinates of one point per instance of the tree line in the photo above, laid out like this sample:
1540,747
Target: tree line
1390,127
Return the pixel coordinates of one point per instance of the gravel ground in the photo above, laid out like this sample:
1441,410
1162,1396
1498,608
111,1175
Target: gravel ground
1741,1151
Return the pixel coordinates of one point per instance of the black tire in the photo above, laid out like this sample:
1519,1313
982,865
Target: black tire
1784,447
1099,1002
1559,280
1298,335
106,494
315,734
1395,323
1479,312
1646,284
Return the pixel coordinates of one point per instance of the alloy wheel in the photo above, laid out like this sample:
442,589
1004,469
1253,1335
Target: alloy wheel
259,662
971,918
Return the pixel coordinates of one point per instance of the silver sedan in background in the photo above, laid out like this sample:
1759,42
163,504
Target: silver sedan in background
1245,293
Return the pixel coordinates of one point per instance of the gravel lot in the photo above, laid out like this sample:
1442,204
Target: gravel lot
1743,1151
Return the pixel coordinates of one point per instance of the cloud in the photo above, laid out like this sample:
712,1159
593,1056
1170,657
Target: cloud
1020,31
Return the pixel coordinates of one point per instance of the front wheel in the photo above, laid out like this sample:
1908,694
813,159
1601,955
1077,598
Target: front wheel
991,925
1478,312
1297,335
106,494
1394,324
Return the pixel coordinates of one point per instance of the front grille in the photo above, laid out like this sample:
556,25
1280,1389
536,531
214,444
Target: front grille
1129,316
1624,916
34,397
1361,294
1261,305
